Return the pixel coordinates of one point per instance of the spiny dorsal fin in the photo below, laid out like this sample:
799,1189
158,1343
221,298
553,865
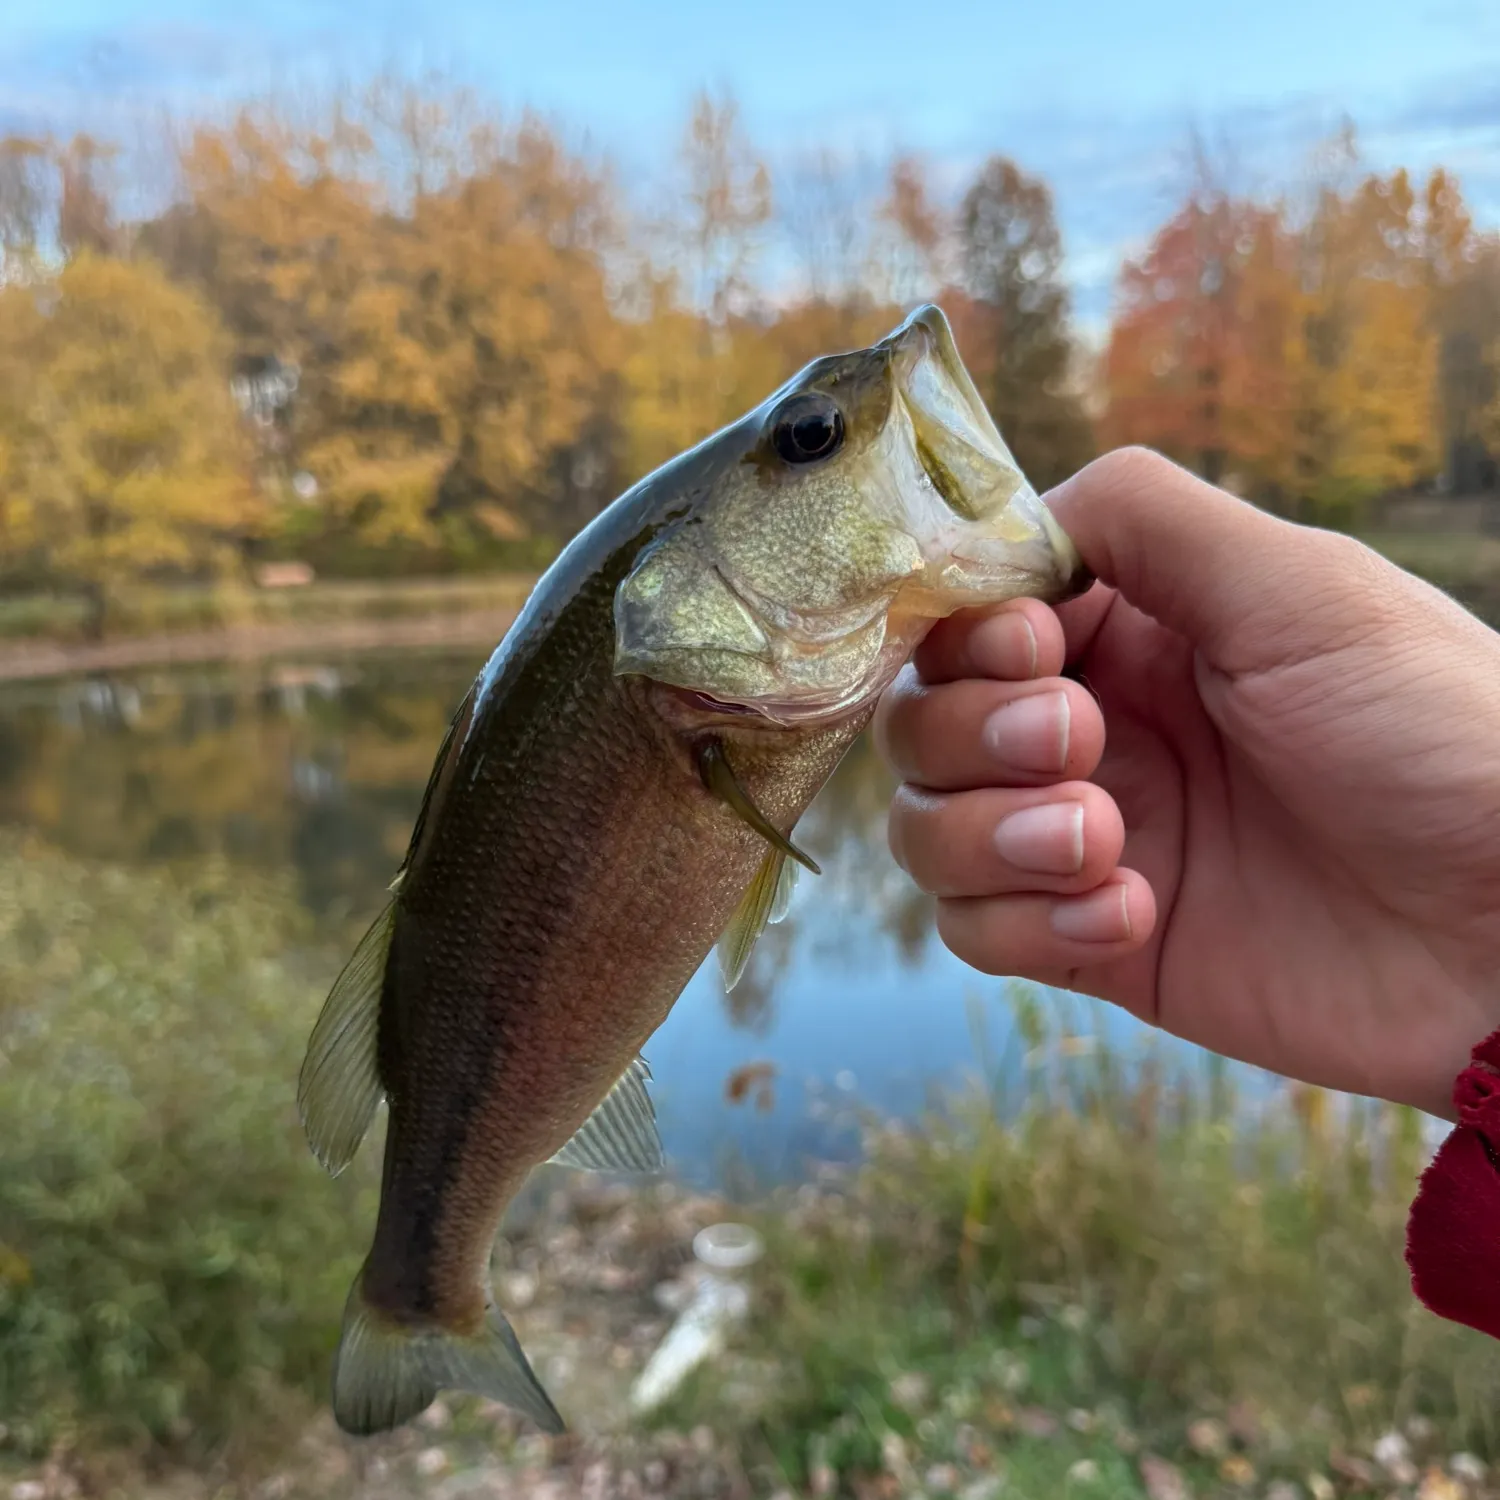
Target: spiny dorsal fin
443,765
339,1088
620,1135
719,778
757,907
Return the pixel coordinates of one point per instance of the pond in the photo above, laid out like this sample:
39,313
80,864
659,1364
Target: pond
316,768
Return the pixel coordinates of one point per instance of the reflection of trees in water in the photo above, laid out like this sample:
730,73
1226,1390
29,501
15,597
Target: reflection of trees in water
249,764
860,888
320,770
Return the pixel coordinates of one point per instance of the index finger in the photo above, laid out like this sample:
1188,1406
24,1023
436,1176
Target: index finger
1013,642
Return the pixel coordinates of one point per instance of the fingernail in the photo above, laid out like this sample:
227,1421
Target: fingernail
1103,916
1030,733
1005,647
1046,840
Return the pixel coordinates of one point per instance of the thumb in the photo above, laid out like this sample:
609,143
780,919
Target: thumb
1236,581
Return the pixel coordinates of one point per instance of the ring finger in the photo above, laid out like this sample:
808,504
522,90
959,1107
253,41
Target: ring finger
997,840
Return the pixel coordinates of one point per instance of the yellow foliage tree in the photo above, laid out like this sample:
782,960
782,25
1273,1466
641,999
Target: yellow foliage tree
121,450
1296,357
453,343
1369,375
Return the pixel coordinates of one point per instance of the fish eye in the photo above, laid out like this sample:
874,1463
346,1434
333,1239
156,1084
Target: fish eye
807,427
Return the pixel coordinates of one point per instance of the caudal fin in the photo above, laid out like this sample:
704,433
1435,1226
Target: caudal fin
385,1373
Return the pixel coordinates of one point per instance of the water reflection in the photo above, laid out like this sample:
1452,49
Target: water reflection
319,769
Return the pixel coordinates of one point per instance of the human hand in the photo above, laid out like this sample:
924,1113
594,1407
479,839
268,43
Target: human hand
1266,817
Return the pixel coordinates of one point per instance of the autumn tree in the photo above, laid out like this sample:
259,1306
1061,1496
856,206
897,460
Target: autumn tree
1011,254
1202,351
726,206
85,215
446,311
1370,360
913,236
694,350
1293,351
23,202
120,448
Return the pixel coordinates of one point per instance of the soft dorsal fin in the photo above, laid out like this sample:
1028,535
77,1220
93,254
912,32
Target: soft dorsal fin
719,778
766,900
339,1087
620,1135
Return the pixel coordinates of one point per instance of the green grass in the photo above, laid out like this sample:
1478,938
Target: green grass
1452,560
171,1258
142,610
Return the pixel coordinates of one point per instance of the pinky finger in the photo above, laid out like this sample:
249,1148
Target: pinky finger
1036,935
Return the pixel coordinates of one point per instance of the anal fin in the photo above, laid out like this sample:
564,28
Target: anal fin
620,1135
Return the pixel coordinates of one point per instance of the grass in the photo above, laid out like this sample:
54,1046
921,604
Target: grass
1453,560
1055,1282
142,610
170,1256
1061,1294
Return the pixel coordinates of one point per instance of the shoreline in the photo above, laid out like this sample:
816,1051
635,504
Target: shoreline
32,659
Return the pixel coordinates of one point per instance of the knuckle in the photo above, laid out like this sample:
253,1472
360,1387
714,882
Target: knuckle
1136,467
914,831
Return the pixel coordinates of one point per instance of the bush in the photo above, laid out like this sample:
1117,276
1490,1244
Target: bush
170,1254
1138,1245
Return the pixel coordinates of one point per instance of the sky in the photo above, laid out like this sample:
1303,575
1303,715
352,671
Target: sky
1099,96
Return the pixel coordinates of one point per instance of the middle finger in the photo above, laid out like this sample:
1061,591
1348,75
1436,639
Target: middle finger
957,736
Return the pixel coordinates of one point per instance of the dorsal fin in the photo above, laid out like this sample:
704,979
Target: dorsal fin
443,765
620,1135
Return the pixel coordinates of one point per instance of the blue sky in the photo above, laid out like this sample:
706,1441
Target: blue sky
1097,94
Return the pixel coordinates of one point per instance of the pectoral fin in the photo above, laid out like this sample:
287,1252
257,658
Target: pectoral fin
713,767
781,901
620,1135
765,901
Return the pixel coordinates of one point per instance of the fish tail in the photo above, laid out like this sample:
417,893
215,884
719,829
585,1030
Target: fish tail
386,1372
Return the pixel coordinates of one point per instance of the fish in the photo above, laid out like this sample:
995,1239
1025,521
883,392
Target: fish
615,798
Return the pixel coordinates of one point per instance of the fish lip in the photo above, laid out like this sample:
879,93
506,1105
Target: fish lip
926,330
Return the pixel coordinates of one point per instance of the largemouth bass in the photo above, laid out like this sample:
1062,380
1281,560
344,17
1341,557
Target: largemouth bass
615,796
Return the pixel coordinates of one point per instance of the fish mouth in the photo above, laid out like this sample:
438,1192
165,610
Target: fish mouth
1005,539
